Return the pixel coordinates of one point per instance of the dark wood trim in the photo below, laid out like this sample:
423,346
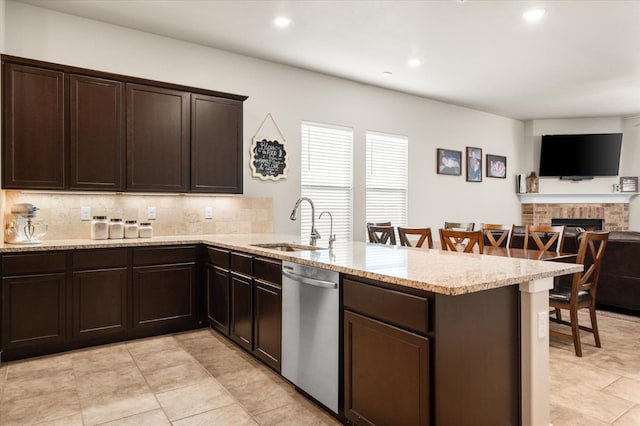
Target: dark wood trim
120,77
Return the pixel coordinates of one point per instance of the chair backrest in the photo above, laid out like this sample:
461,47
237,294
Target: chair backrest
461,240
382,234
459,226
497,235
590,255
375,224
422,233
551,236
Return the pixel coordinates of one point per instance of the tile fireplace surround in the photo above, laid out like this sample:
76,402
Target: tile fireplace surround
539,209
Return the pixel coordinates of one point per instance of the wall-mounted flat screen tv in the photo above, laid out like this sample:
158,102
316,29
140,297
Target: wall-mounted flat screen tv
580,156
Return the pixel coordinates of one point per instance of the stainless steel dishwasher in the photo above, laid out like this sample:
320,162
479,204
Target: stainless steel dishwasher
311,331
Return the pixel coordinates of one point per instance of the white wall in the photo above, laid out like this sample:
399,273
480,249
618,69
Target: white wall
292,95
630,163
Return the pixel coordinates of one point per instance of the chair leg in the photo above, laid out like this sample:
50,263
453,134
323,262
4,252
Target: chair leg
594,325
575,331
558,314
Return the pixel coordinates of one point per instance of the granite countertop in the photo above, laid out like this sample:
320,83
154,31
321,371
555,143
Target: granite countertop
430,270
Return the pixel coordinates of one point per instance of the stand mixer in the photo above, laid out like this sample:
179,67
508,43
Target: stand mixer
23,229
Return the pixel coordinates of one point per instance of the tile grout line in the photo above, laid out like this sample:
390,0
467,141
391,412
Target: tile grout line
135,362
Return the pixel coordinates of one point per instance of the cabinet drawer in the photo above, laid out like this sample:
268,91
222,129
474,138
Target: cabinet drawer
218,257
27,264
268,270
100,259
163,255
241,263
401,309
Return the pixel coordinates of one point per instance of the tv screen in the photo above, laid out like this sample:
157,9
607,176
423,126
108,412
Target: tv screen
580,155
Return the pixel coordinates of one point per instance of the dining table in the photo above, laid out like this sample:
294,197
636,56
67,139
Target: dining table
530,254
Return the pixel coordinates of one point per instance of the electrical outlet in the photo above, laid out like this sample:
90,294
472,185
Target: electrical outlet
151,213
85,213
208,212
543,324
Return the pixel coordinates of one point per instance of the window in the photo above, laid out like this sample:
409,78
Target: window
326,174
387,178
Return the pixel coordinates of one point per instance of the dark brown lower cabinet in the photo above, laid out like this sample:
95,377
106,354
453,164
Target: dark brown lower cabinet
267,323
100,302
218,298
242,310
34,310
386,373
164,296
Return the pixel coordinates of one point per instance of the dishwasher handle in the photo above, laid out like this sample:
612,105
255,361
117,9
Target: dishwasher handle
310,281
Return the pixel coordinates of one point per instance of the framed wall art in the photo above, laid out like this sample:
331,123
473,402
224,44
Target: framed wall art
496,166
449,162
474,164
629,184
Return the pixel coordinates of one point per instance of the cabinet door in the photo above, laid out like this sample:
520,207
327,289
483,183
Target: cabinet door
33,310
157,139
267,323
386,373
164,296
242,311
218,298
216,145
99,302
96,133
34,136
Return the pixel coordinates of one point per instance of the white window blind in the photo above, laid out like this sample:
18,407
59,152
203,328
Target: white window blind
387,157
326,173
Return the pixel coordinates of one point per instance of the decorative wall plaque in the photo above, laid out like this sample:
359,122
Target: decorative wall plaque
268,155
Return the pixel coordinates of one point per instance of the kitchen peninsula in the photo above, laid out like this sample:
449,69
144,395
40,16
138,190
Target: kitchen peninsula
462,330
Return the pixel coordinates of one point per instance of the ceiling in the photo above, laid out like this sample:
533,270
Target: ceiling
581,60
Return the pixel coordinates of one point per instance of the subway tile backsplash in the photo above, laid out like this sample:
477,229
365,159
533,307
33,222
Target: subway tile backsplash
176,214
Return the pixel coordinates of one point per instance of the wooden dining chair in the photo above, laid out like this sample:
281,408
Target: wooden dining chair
422,233
582,292
375,224
553,236
497,235
459,226
382,234
461,240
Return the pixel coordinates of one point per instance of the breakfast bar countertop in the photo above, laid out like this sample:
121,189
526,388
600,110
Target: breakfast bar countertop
437,271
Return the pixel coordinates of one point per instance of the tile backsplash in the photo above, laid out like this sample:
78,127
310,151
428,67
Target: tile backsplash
176,214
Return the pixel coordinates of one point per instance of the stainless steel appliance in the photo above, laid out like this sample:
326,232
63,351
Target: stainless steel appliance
23,229
311,331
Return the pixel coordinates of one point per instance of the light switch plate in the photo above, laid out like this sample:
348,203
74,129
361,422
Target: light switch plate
543,324
85,213
208,212
151,213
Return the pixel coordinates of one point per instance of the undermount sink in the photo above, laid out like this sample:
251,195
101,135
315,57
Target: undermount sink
287,247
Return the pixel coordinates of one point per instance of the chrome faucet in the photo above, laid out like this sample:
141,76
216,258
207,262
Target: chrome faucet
315,235
332,236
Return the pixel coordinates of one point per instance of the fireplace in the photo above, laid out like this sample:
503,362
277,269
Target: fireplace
586,224
610,216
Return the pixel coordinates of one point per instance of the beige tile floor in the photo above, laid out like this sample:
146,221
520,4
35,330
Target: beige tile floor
200,378
602,387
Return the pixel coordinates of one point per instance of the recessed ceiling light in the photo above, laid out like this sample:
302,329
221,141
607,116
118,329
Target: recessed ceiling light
414,62
534,14
281,21
387,73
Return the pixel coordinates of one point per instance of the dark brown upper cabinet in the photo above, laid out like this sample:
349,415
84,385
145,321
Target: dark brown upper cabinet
216,145
157,139
96,133
70,128
34,128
